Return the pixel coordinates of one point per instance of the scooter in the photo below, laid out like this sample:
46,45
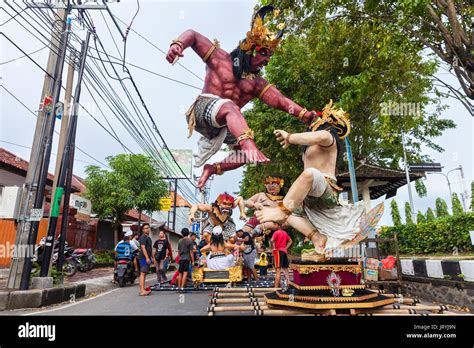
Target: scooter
125,272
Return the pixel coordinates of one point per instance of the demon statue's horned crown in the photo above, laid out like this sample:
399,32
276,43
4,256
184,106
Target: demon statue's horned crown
337,118
225,198
259,35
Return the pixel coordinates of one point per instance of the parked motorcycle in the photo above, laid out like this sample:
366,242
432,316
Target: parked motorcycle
84,258
69,265
125,272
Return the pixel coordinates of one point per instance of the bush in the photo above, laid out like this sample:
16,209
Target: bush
456,205
408,216
395,213
439,235
105,256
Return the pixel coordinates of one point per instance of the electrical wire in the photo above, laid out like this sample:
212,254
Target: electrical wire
56,132
109,123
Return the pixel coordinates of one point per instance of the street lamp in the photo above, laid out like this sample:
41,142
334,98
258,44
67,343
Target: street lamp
463,194
407,173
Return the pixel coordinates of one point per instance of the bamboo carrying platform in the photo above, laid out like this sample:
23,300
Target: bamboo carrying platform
254,301
264,282
311,293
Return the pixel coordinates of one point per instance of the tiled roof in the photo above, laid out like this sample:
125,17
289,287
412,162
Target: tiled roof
133,214
392,178
180,201
9,159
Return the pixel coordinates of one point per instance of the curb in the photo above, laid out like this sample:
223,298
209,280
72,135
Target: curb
35,298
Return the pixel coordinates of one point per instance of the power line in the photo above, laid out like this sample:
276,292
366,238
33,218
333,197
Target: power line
28,147
191,197
159,49
34,114
21,57
155,128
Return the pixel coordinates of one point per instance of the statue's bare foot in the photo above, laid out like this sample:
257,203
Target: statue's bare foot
271,214
252,153
206,173
319,241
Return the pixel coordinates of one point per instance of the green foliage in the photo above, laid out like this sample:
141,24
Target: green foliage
414,23
430,215
104,256
440,235
420,188
143,179
456,205
420,217
133,182
397,220
441,208
366,68
472,195
408,216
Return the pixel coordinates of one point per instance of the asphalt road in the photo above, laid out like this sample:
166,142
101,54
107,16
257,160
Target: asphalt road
126,301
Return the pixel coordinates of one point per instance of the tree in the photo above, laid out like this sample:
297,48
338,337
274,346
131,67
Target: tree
443,27
472,195
441,208
430,215
408,216
369,70
395,213
420,188
420,217
109,194
132,182
144,180
456,205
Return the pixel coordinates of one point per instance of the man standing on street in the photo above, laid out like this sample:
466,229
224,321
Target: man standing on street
186,258
144,259
250,253
281,242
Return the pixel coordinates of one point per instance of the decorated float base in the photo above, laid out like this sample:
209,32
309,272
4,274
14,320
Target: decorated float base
208,276
326,284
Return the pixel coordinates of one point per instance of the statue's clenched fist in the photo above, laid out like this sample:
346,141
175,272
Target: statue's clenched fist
174,53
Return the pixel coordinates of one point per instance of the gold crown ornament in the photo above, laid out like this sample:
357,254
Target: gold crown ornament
260,36
274,180
337,118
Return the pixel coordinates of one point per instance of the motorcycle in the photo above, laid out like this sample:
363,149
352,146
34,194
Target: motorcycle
84,258
69,265
125,272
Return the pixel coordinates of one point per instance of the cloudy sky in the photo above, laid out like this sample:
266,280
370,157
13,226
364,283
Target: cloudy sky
160,22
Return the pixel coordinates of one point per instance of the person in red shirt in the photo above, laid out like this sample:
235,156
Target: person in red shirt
280,243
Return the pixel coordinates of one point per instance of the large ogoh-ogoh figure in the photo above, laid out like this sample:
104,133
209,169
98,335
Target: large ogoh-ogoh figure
232,80
271,198
311,205
219,214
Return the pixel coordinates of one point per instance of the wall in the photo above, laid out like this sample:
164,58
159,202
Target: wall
8,236
440,291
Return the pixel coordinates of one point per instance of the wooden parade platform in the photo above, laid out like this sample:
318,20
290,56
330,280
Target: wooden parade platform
258,302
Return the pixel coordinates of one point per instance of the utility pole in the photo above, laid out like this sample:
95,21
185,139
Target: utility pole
36,157
32,197
407,173
174,203
67,161
48,140
62,136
